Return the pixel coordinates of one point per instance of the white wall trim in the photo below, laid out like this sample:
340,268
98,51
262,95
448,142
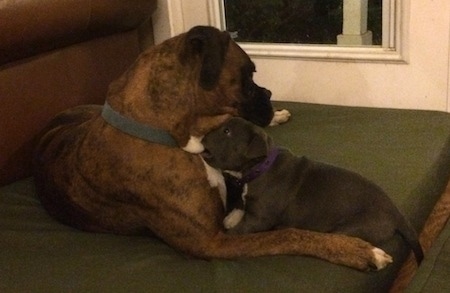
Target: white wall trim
168,20
325,53
176,17
448,72
216,13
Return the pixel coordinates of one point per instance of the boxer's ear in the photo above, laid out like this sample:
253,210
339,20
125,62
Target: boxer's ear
257,148
210,44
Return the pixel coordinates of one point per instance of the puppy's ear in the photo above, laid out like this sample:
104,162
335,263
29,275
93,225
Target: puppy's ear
258,147
210,44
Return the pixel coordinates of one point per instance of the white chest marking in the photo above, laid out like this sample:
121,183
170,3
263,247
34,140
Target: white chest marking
194,145
215,179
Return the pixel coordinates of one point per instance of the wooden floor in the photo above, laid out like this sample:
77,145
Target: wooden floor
432,228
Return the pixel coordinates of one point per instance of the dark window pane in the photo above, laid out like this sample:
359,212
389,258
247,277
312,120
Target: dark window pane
294,21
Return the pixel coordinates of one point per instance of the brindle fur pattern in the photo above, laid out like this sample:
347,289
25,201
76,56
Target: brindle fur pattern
94,177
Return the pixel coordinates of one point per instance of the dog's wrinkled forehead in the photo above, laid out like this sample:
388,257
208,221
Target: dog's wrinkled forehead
244,64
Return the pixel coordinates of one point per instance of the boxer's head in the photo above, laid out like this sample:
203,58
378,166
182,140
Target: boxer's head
191,84
225,74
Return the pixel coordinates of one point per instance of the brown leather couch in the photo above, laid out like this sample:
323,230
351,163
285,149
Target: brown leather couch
51,49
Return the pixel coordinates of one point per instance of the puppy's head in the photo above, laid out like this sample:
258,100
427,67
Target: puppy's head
236,145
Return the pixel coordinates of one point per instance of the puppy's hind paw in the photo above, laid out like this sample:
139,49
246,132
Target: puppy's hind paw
280,117
381,258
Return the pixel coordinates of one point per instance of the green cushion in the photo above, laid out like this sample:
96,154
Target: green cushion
433,274
406,152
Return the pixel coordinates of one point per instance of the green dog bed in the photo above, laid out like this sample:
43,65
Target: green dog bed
405,152
432,275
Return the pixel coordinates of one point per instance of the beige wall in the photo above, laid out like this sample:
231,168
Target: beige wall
421,83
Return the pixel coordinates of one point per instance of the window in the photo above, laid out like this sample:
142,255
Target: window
323,29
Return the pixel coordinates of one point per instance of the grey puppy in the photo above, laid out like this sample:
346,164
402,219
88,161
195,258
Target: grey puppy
282,190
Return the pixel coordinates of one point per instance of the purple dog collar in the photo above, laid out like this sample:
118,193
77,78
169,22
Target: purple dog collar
260,168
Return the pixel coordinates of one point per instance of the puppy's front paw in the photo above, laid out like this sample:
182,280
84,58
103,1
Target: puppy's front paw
381,258
233,218
280,117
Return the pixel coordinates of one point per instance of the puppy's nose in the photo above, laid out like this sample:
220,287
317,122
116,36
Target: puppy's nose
267,93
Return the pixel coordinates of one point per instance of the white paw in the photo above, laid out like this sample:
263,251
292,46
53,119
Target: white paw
233,218
279,117
382,259
194,145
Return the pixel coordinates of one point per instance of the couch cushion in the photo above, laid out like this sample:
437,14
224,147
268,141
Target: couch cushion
406,152
29,27
33,92
433,274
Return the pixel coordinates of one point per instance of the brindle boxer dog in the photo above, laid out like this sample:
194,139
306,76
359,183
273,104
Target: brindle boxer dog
130,166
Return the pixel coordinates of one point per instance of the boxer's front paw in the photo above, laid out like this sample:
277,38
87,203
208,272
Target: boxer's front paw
381,258
279,117
233,218
359,254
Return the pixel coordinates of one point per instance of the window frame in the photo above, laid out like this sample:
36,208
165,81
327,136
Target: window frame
391,50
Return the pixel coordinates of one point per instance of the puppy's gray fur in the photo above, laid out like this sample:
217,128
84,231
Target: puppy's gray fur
299,192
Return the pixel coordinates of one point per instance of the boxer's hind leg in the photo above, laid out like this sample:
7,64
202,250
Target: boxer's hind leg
200,234
337,249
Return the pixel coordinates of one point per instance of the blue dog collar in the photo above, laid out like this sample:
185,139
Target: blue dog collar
137,129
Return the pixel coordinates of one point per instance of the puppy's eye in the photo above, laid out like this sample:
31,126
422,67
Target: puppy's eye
227,131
